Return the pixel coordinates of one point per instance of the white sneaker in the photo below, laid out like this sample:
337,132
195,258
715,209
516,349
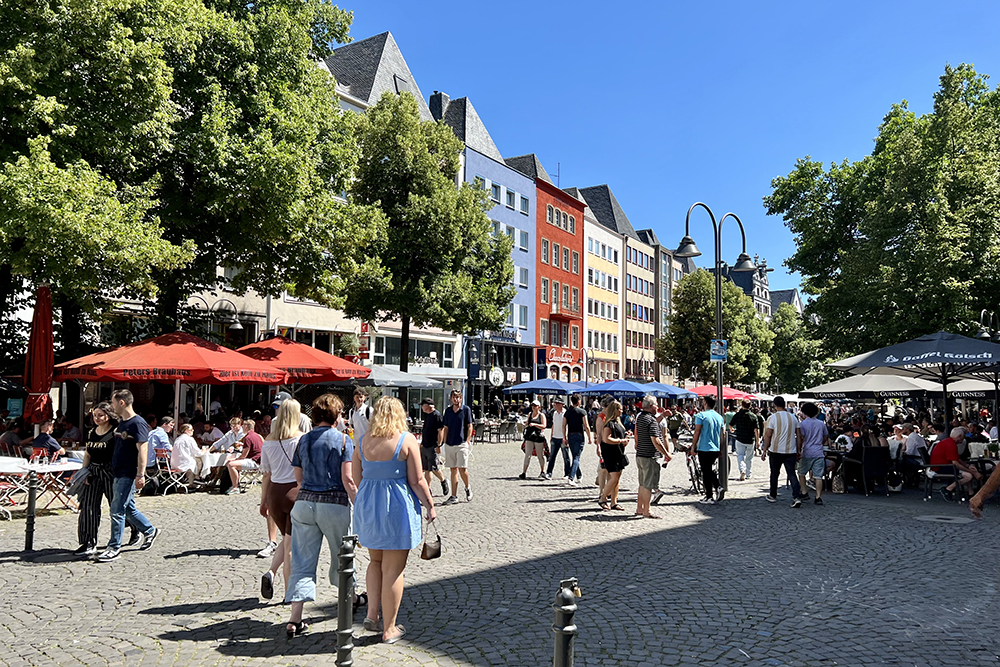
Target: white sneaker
268,550
572,482
542,476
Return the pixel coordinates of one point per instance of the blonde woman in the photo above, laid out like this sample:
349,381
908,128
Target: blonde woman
391,487
614,439
279,488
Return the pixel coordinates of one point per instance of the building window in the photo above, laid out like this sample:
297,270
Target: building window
565,259
510,232
524,277
524,241
590,338
576,337
565,297
524,205
616,286
576,262
545,251
479,182
522,317
590,245
564,341
565,220
545,290
616,256
572,225
510,315
555,255
495,192
590,276
544,328
555,293
616,313
511,199
548,214
576,299
554,334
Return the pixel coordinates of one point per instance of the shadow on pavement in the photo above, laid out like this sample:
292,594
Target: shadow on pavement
241,604
231,553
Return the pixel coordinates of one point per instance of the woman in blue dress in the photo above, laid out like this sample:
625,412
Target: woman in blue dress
391,488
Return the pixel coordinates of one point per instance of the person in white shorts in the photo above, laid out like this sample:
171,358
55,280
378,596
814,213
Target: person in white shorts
457,438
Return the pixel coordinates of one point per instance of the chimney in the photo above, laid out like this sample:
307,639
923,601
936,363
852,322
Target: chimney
439,105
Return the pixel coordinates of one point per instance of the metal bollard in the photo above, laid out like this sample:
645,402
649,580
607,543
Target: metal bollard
564,628
29,523
345,603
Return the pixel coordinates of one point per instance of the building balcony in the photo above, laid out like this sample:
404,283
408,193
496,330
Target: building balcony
562,311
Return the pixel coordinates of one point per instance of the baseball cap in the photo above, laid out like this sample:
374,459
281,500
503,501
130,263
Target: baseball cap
427,401
535,402
280,398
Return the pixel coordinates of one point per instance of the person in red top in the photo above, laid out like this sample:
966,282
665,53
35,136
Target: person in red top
946,452
249,458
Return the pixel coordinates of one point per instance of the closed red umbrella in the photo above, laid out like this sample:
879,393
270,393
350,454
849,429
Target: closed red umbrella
39,360
304,363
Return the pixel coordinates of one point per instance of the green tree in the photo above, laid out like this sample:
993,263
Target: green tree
905,241
205,135
692,328
443,266
796,357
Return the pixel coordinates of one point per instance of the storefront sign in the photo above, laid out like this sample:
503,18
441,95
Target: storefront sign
511,376
525,377
496,376
560,355
505,335
15,406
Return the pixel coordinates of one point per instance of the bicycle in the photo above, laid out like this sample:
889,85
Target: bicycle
693,468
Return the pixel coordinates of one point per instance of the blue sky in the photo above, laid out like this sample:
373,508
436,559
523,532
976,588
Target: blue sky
672,103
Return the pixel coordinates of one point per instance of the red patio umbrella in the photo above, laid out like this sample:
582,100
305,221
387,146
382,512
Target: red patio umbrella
304,363
172,357
39,360
728,393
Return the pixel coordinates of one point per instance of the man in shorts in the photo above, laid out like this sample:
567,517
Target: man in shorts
815,437
649,446
430,444
457,439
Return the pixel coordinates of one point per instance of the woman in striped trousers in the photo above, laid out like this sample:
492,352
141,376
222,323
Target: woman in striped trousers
100,447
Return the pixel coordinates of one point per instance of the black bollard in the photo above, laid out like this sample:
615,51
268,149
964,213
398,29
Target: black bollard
29,522
565,608
345,603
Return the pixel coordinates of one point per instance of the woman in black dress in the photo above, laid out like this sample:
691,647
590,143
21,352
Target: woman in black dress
534,439
100,446
614,439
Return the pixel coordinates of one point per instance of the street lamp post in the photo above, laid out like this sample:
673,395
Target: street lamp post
235,324
687,248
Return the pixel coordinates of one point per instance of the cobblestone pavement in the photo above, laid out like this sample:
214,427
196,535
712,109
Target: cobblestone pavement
859,581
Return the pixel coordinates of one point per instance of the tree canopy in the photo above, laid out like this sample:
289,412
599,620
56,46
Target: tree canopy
692,328
443,267
905,241
149,142
796,356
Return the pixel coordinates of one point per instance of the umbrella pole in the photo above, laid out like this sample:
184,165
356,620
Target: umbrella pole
177,404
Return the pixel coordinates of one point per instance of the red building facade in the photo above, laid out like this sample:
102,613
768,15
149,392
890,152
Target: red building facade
559,282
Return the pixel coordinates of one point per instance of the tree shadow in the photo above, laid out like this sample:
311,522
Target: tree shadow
742,582
41,557
240,604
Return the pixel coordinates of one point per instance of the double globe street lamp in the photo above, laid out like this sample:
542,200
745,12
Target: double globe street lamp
744,264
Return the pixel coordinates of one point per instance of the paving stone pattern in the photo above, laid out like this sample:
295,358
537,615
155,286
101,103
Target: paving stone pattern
859,581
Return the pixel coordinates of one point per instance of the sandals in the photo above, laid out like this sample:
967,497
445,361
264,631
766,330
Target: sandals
296,629
604,505
618,507
360,599
396,638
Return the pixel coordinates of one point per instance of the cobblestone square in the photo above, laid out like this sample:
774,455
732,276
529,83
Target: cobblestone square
858,581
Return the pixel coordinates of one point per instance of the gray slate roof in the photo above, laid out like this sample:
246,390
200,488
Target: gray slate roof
530,166
648,237
367,68
462,118
781,296
608,211
575,192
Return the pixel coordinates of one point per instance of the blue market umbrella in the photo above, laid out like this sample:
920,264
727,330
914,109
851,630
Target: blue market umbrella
623,388
545,386
661,390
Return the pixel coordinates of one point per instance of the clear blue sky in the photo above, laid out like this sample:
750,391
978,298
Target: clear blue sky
671,103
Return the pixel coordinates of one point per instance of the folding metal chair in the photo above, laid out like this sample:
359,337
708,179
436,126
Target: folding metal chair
169,477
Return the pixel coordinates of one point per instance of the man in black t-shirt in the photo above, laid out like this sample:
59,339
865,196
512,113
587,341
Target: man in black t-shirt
575,424
128,466
430,444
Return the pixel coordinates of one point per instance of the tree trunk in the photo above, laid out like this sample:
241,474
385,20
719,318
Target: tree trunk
71,322
404,359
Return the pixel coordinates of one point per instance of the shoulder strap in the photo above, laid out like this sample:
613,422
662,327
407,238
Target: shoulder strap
399,446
